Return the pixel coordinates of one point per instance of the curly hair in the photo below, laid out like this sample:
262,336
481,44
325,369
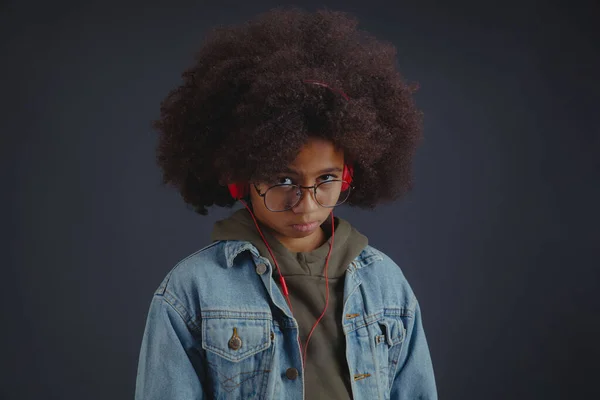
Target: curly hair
244,111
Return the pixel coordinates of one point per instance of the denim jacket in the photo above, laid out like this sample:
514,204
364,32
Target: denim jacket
219,328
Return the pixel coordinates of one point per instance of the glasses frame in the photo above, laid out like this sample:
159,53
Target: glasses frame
300,187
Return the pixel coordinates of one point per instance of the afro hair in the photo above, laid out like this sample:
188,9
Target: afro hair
244,109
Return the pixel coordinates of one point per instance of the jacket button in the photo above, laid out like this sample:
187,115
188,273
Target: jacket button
235,342
291,373
261,268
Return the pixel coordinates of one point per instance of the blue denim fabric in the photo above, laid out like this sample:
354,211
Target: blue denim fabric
219,328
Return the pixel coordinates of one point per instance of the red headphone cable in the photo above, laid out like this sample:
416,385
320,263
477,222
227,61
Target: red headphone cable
284,287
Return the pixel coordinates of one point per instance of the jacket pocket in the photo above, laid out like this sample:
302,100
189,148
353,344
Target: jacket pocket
389,344
239,353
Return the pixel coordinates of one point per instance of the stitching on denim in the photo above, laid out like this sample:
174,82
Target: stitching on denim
399,312
357,322
234,248
174,303
263,343
228,314
185,314
249,351
228,383
368,256
163,285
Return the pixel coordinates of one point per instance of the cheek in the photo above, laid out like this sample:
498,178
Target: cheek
325,214
280,222
268,218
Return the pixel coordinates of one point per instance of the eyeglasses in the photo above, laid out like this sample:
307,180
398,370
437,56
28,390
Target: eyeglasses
285,196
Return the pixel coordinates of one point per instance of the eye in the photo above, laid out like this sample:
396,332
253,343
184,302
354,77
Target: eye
327,177
283,180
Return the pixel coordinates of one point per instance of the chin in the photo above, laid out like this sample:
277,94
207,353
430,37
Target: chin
299,235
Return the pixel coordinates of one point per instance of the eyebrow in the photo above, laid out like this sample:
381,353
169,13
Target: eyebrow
321,172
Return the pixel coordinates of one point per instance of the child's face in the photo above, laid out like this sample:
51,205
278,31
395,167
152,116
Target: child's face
316,162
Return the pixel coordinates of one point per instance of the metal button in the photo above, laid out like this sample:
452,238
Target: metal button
261,268
235,342
291,373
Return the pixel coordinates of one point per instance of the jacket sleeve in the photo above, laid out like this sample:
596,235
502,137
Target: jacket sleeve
414,378
170,364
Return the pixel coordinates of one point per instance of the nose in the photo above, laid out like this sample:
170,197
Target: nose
307,201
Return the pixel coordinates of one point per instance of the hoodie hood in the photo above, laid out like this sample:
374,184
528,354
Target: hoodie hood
348,244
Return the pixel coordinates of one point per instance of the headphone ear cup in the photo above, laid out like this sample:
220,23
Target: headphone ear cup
347,177
238,190
233,191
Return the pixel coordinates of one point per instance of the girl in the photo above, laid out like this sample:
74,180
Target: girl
291,114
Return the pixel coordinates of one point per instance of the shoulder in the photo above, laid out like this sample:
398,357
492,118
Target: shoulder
379,271
191,268
373,258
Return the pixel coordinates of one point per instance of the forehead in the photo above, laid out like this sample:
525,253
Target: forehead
316,155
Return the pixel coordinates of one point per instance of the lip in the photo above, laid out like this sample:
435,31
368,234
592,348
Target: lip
307,227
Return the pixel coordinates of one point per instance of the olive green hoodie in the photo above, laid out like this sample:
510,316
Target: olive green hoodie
326,370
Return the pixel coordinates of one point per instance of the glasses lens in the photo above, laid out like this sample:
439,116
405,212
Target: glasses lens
285,197
282,197
330,194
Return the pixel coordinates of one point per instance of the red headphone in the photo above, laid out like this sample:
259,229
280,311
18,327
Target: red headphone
241,190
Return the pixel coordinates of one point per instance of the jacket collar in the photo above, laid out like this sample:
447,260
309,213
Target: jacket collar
234,248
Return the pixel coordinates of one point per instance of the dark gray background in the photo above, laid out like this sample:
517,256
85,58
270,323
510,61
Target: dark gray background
499,238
